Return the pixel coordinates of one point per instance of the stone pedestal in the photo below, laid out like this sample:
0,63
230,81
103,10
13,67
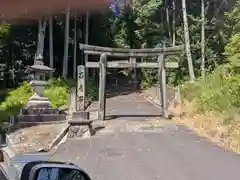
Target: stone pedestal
38,100
79,131
80,125
80,115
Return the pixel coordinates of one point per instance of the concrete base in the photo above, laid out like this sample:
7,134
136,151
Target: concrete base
23,121
40,118
80,125
37,101
80,115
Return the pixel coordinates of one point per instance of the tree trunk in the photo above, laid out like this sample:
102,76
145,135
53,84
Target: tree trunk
41,36
203,38
187,42
174,23
168,21
51,61
86,41
75,48
66,44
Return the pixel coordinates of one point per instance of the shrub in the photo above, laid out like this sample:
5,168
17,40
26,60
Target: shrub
92,90
15,100
58,95
189,90
57,91
232,50
61,82
4,28
218,91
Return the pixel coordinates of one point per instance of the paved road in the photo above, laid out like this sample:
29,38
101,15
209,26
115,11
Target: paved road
168,153
129,106
146,150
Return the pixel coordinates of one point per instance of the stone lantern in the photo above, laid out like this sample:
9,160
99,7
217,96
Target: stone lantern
38,109
39,71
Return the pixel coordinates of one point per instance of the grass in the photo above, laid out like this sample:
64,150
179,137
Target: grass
212,126
211,107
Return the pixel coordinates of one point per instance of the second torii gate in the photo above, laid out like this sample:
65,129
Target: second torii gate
132,54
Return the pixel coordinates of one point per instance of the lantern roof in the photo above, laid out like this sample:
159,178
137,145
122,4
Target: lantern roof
39,66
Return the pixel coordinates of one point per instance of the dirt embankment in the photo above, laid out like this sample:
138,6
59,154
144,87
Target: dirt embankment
218,128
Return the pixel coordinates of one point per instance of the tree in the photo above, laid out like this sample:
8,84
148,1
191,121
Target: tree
187,42
66,44
146,24
86,39
167,19
51,63
203,37
173,22
75,48
41,36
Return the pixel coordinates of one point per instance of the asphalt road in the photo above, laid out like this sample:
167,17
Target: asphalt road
166,155
125,151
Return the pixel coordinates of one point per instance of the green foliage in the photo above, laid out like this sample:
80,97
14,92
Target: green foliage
233,47
232,50
92,90
57,92
218,91
147,25
58,95
232,20
144,23
149,77
137,26
15,100
3,30
120,38
190,90
61,82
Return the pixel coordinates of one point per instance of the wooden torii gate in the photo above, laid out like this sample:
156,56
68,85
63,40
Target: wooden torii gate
132,54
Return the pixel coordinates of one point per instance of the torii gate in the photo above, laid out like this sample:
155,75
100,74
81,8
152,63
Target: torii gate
132,54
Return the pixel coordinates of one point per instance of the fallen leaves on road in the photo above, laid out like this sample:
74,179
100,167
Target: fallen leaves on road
218,128
212,126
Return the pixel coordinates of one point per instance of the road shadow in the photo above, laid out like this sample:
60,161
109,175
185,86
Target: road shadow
118,84
113,91
113,117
